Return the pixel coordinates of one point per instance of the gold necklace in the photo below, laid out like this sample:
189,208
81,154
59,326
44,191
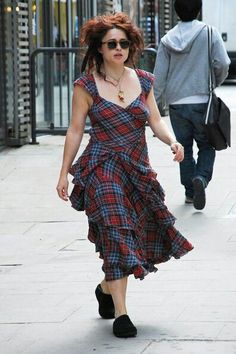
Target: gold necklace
117,84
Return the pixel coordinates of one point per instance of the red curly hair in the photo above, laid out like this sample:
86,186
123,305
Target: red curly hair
94,30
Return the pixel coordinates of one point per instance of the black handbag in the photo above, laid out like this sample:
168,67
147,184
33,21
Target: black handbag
217,120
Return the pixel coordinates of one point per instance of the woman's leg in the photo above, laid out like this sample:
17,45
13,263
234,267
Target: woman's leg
117,289
122,326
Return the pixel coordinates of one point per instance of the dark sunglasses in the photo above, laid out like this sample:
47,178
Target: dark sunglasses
112,44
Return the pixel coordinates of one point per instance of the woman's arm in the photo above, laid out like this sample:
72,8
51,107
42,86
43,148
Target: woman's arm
81,103
161,130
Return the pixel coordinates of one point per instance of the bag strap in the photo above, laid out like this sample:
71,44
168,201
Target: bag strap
211,85
210,73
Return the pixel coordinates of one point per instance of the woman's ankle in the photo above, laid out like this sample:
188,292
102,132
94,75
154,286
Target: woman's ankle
120,313
105,288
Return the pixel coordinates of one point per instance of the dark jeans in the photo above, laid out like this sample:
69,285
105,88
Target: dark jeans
187,123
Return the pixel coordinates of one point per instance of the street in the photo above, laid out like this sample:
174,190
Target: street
49,270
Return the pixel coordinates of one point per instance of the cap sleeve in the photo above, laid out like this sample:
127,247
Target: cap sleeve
87,83
146,80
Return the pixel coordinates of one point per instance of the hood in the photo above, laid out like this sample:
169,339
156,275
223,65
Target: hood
181,37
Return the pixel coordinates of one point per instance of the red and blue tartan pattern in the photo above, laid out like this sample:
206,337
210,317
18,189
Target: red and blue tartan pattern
114,183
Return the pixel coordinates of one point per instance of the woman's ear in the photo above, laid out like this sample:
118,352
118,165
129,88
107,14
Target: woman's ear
100,49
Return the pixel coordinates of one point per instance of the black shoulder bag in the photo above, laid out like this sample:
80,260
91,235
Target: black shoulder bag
217,119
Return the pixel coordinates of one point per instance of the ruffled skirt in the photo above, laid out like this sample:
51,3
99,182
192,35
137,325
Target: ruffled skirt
129,222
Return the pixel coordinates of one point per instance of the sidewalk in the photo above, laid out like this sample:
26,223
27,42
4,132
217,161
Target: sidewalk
49,270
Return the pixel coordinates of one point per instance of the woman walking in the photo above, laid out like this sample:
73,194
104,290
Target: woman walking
113,180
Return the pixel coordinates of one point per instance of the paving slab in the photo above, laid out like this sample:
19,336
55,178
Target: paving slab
191,347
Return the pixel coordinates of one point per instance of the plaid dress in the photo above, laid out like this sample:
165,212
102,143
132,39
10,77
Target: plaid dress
116,186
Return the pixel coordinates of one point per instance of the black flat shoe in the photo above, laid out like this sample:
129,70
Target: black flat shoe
106,307
123,327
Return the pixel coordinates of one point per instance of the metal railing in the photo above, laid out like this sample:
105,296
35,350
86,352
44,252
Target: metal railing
147,59
49,83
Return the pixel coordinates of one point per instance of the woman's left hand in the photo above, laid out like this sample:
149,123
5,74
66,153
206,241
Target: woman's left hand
178,151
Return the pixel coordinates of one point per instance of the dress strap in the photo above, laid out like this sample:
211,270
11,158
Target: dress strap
87,82
146,80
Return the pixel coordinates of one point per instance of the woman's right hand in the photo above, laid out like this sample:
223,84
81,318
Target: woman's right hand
62,188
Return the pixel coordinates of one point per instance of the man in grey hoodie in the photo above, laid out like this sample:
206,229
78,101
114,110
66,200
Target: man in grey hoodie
182,80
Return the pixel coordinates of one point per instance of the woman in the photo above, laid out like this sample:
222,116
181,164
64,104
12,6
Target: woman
114,183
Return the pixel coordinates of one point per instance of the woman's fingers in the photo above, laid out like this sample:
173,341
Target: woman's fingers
178,151
62,189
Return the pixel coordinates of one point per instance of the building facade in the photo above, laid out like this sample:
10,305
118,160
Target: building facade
14,73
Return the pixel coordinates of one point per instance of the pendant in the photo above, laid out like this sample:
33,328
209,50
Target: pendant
121,96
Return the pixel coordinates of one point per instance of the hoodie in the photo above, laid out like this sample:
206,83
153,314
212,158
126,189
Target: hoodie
182,65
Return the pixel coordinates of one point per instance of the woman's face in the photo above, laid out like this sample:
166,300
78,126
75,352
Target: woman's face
115,46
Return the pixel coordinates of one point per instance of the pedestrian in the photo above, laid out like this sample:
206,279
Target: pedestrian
113,181
182,81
